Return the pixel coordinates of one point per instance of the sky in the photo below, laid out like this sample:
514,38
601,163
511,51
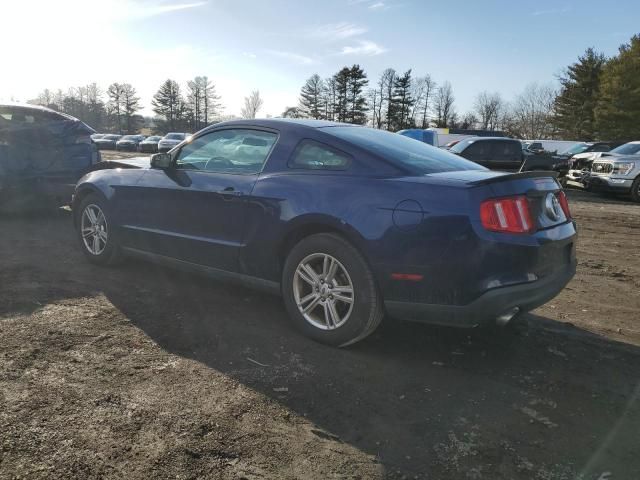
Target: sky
275,45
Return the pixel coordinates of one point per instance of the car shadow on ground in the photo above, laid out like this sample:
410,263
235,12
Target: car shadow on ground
602,198
410,394
418,398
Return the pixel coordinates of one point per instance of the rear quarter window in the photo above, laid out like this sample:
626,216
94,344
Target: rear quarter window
411,155
312,155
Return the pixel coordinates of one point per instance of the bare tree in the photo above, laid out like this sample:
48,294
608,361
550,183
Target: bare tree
329,98
252,104
443,105
423,93
386,82
374,100
532,112
488,107
469,121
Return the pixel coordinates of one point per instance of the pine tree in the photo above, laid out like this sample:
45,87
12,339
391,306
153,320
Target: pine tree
617,112
114,92
340,106
357,101
311,97
169,104
575,105
400,103
130,105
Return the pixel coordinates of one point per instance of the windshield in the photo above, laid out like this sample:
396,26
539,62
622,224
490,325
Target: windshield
579,148
174,136
414,155
460,146
111,137
627,149
130,137
152,139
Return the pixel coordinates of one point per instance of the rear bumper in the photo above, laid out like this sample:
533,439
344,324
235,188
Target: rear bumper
486,308
127,147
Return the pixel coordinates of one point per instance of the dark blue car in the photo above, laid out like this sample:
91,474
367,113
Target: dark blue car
347,223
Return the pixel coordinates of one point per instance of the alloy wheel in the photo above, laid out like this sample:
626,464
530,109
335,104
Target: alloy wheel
94,229
323,291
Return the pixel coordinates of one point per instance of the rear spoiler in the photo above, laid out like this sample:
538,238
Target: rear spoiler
515,176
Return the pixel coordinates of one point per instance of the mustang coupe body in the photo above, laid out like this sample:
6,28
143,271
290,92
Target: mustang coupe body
347,223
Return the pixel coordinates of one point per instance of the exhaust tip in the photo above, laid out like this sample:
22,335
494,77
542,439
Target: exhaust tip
506,317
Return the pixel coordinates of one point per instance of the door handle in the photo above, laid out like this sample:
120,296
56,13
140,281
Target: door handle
229,193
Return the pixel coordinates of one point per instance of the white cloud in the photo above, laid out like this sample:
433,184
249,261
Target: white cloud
337,31
378,6
364,47
293,57
551,11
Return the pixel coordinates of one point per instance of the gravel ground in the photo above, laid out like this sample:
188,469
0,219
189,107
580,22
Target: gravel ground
143,372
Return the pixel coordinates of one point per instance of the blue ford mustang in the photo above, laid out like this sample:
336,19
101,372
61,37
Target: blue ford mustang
347,223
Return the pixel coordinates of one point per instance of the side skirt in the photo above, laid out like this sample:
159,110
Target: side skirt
256,283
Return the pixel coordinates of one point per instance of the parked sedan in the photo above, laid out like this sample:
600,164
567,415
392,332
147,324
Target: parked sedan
347,223
149,144
170,140
107,142
129,143
43,153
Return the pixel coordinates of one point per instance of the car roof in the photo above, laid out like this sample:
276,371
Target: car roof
279,122
493,138
37,108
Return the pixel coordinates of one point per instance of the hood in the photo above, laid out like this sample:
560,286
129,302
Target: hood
169,140
137,162
618,158
587,156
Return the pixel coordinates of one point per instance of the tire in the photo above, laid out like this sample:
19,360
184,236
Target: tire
635,190
332,320
107,251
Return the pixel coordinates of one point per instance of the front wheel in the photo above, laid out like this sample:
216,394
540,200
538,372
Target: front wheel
635,190
95,232
329,291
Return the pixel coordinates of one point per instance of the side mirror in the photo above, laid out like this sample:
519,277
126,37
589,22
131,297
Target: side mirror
161,161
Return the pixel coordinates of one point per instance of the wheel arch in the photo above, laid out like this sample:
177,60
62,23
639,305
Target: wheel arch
306,226
82,191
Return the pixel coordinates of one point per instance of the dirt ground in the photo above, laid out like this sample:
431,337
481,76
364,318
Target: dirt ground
142,372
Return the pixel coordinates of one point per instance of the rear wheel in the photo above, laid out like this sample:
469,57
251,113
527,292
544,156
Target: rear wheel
329,291
635,190
95,233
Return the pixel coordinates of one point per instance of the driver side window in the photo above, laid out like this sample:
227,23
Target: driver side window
236,150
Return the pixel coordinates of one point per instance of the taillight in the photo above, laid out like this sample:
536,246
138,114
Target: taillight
564,203
508,215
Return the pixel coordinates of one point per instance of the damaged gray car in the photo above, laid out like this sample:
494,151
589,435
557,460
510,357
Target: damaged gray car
43,153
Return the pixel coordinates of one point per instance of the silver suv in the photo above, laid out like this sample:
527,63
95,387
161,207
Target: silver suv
618,174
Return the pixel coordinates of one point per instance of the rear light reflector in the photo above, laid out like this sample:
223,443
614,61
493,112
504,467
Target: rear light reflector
564,203
411,277
507,215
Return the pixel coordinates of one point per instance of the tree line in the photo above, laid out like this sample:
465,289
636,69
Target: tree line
398,101
599,97
116,110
